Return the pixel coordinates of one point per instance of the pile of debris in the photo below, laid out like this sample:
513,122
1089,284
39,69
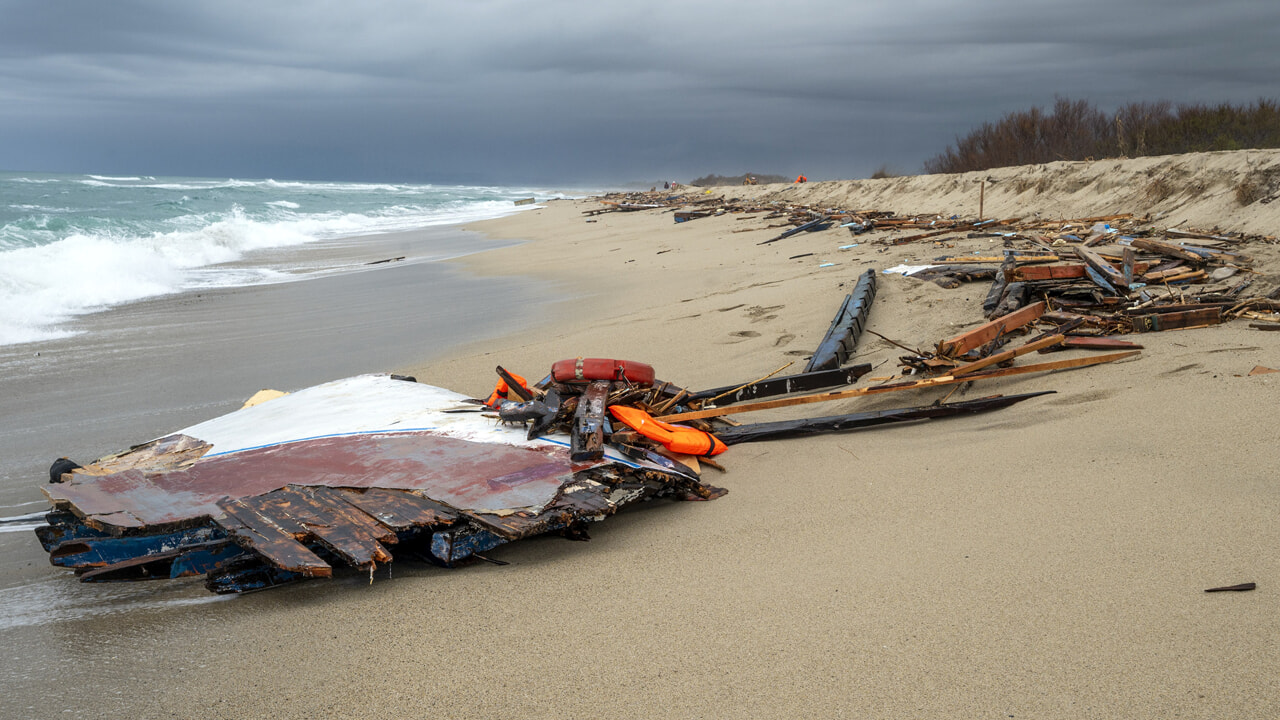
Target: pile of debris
291,485
1112,280
1096,275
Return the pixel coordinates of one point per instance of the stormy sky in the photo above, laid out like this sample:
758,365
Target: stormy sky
500,91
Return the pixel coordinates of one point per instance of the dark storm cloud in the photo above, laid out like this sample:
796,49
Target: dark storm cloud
497,90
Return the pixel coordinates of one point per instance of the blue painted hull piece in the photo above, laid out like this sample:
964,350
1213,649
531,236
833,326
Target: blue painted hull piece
187,561
64,526
200,560
450,546
251,578
94,552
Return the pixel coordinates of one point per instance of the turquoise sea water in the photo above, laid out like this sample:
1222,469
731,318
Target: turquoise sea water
71,244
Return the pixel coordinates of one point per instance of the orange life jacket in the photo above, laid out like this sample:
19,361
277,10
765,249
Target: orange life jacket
501,389
675,438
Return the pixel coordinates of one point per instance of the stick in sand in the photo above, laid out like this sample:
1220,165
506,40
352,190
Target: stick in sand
931,382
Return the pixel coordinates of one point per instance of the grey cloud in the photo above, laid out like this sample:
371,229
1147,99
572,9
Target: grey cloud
499,90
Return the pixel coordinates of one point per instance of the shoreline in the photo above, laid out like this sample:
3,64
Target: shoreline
1048,560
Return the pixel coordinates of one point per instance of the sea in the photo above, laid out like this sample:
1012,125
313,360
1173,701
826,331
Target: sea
132,306
76,244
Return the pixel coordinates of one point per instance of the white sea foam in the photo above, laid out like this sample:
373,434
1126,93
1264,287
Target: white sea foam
108,240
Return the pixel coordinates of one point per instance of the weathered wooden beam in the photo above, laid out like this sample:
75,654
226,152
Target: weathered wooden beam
1157,322
847,326
1102,267
1167,249
985,333
917,385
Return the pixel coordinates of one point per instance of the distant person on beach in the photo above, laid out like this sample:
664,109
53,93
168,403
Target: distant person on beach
801,179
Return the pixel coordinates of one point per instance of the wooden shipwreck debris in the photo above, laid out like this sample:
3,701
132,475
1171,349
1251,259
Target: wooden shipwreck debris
842,336
342,473
358,471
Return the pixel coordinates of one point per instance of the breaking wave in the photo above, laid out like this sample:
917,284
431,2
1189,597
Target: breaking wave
81,243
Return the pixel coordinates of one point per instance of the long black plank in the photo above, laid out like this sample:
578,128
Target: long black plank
803,382
839,423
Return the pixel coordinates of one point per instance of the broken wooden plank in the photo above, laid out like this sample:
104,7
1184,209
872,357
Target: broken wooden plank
839,423
257,533
985,333
337,525
847,326
921,384
400,509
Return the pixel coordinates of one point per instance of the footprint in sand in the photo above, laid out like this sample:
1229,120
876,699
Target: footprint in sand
759,313
783,339
797,353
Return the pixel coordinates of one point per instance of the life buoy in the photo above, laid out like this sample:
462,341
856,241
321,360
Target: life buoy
588,369
686,440
500,390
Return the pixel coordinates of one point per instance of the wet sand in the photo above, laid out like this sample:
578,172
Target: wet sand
1047,561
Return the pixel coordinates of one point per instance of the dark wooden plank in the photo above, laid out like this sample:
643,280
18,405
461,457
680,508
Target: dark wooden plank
332,522
253,531
1158,322
839,423
400,509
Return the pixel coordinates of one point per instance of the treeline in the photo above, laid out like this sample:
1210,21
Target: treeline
719,180
1076,130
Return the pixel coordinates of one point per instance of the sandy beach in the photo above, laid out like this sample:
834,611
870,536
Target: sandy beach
1044,561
